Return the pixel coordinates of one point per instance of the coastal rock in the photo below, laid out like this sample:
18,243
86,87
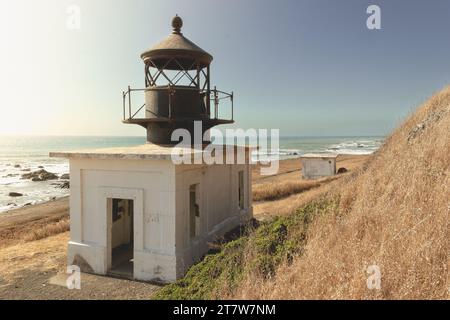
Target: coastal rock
17,166
41,167
65,185
15,194
25,170
9,175
65,176
342,170
40,175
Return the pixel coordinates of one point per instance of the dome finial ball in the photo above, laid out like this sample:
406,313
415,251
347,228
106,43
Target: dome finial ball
177,23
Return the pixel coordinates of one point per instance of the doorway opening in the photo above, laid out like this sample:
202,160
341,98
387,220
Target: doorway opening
121,211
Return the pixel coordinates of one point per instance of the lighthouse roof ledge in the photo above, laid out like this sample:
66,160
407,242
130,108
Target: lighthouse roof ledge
147,151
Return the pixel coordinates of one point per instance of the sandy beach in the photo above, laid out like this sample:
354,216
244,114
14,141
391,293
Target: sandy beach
33,239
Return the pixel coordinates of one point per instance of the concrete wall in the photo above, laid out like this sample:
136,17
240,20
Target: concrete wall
219,207
313,168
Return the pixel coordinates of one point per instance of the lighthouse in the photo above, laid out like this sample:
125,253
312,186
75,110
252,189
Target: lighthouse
177,89
134,212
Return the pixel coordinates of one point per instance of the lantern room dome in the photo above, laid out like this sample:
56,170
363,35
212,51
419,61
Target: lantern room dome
176,51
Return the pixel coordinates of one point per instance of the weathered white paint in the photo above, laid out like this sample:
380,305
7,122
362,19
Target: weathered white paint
318,165
163,248
219,207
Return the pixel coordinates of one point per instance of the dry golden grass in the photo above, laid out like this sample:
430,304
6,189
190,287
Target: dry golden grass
285,206
394,213
17,225
278,190
48,230
42,255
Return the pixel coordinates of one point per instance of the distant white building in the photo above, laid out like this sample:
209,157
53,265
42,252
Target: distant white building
133,211
318,165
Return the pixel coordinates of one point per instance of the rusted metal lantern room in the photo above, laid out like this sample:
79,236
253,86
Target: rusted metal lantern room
177,90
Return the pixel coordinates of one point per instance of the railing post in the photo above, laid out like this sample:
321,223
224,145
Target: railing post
123,105
129,102
170,102
208,91
216,103
232,106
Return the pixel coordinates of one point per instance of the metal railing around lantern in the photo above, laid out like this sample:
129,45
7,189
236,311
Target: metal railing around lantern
215,98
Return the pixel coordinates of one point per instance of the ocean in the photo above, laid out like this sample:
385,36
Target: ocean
23,154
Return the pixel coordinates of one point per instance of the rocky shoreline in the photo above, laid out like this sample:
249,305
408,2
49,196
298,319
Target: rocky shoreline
44,175
28,185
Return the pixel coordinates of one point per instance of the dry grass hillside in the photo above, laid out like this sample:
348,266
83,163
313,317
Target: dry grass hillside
393,213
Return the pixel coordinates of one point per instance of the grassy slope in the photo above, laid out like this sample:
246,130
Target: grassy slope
394,213
259,252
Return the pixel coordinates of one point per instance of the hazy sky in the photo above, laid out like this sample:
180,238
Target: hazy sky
307,67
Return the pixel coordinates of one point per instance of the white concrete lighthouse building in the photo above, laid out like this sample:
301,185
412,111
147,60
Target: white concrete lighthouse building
133,211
